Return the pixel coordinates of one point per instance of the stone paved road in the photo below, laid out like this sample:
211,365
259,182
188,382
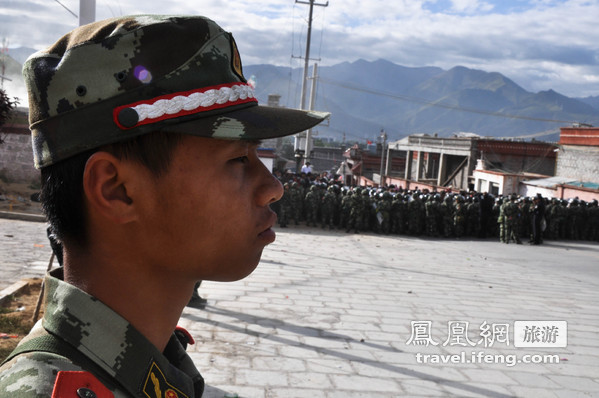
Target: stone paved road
329,314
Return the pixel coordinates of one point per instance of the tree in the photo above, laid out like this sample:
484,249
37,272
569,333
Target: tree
6,107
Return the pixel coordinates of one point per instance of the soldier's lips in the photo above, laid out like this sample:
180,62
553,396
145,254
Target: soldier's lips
268,235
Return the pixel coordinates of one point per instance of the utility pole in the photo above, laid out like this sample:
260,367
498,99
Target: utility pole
87,11
3,55
311,3
308,147
384,139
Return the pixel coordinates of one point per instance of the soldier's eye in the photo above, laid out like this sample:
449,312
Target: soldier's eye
242,159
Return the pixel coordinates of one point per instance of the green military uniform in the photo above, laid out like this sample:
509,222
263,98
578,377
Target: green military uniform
312,203
82,334
459,217
285,206
329,207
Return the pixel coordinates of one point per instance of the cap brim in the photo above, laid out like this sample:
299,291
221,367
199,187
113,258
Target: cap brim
250,123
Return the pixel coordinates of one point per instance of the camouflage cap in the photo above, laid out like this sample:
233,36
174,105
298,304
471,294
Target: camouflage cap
116,79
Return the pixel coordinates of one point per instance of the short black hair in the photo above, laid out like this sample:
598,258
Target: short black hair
62,183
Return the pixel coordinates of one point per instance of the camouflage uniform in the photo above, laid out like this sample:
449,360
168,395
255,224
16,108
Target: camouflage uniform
473,219
297,202
312,204
447,210
501,220
368,211
416,215
285,206
356,213
329,207
383,211
398,215
526,210
345,210
432,208
87,336
573,220
512,216
459,217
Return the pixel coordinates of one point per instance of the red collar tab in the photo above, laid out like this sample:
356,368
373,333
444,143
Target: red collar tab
181,331
79,385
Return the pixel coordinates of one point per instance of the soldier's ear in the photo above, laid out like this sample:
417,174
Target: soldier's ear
105,182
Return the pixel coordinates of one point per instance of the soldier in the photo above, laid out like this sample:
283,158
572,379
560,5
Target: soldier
459,217
383,212
398,214
485,214
573,219
329,207
501,220
512,216
285,206
538,217
356,213
297,202
132,118
311,204
345,209
447,210
432,208
526,209
368,211
416,214
593,218
473,219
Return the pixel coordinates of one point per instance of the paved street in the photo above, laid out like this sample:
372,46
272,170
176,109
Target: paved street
330,314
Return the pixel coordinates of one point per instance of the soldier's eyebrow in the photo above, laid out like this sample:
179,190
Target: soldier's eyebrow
254,142
249,143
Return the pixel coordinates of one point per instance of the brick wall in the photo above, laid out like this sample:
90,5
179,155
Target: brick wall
580,163
16,156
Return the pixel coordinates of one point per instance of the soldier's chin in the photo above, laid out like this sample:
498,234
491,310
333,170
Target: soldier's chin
239,270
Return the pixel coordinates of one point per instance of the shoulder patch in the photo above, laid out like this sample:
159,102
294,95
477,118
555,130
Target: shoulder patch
156,385
79,385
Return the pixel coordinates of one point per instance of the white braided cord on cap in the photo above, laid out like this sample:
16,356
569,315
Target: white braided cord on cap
193,101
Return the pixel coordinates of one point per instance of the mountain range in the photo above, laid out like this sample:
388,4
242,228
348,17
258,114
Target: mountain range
366,97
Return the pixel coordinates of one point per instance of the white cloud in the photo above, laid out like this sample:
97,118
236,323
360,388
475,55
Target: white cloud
547,44
470,6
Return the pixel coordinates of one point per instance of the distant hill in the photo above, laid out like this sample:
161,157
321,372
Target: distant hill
20,54
365,97
592,101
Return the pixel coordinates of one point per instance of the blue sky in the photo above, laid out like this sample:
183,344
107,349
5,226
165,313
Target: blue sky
482,7
540,44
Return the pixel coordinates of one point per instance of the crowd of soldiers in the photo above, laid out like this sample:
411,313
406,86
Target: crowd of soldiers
320,202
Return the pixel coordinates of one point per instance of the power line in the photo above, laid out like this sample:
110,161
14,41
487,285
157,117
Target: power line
66,8
437,104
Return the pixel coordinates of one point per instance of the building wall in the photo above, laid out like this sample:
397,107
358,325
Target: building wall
580,163
517,164
588,136
16,157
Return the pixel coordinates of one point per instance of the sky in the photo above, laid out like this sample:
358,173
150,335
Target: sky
540,44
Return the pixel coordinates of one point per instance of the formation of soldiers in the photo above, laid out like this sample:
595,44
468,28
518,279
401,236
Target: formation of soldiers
391,210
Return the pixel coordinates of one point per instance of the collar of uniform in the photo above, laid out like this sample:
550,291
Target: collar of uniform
115,345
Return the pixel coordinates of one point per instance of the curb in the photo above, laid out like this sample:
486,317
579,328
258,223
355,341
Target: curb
13,290
22,216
